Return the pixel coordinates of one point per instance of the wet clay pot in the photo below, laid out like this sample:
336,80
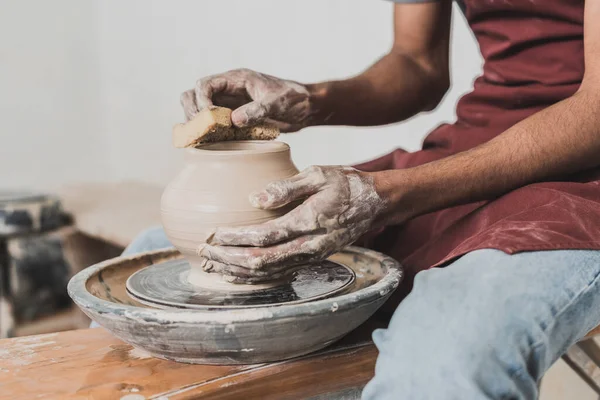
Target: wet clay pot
213,190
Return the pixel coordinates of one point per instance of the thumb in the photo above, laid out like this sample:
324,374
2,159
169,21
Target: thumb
249,114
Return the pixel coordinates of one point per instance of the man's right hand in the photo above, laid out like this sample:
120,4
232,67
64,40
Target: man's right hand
254,98
413,77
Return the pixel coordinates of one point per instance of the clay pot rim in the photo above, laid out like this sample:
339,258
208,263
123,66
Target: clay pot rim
93,305
245,147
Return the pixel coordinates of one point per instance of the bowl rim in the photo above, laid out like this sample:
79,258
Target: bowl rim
253,147
97,306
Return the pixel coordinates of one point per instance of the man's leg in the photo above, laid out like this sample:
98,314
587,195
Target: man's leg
487,326
150,239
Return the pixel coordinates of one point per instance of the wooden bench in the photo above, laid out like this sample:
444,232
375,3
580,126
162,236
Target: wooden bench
91,363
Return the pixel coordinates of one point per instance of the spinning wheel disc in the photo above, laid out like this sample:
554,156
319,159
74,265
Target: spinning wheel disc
165,285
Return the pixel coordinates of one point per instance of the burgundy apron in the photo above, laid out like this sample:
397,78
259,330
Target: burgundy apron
533,53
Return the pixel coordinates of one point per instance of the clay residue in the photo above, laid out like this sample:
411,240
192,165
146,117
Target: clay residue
256,99
23,351
341,204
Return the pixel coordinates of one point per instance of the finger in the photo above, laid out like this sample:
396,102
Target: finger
280,193
206,88
231,101
188,102
234,274
301,250
245,280
233,270
250,114
296,223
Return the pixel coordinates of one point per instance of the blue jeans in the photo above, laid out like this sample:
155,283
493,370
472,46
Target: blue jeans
486,326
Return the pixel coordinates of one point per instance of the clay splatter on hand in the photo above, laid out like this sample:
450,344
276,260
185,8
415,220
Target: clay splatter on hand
256,98
341,204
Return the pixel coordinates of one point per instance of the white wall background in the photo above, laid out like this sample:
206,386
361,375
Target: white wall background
89,90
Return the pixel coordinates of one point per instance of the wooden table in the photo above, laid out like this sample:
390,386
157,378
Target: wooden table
93,364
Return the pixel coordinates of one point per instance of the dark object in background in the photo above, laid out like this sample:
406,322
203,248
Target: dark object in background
33,269
26,213
39,275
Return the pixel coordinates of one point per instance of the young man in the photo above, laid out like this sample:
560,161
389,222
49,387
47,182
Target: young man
507,199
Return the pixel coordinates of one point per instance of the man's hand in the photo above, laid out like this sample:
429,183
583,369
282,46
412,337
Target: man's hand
341,204
413,77
255,98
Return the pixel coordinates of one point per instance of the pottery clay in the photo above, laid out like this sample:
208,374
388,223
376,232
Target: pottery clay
213,190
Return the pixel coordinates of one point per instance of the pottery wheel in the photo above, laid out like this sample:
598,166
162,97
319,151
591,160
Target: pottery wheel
166,285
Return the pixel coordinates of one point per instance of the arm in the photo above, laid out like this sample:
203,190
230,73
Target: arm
411,78
558,141
343,203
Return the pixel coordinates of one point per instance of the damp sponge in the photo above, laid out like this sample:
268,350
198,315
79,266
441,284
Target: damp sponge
213,124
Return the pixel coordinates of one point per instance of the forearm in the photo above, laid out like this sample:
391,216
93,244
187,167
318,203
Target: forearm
558,141
395,88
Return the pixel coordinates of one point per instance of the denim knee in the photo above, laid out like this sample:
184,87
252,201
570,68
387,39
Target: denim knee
474,310
150,239
456,333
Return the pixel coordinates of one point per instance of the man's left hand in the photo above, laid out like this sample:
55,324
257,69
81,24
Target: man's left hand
341,204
